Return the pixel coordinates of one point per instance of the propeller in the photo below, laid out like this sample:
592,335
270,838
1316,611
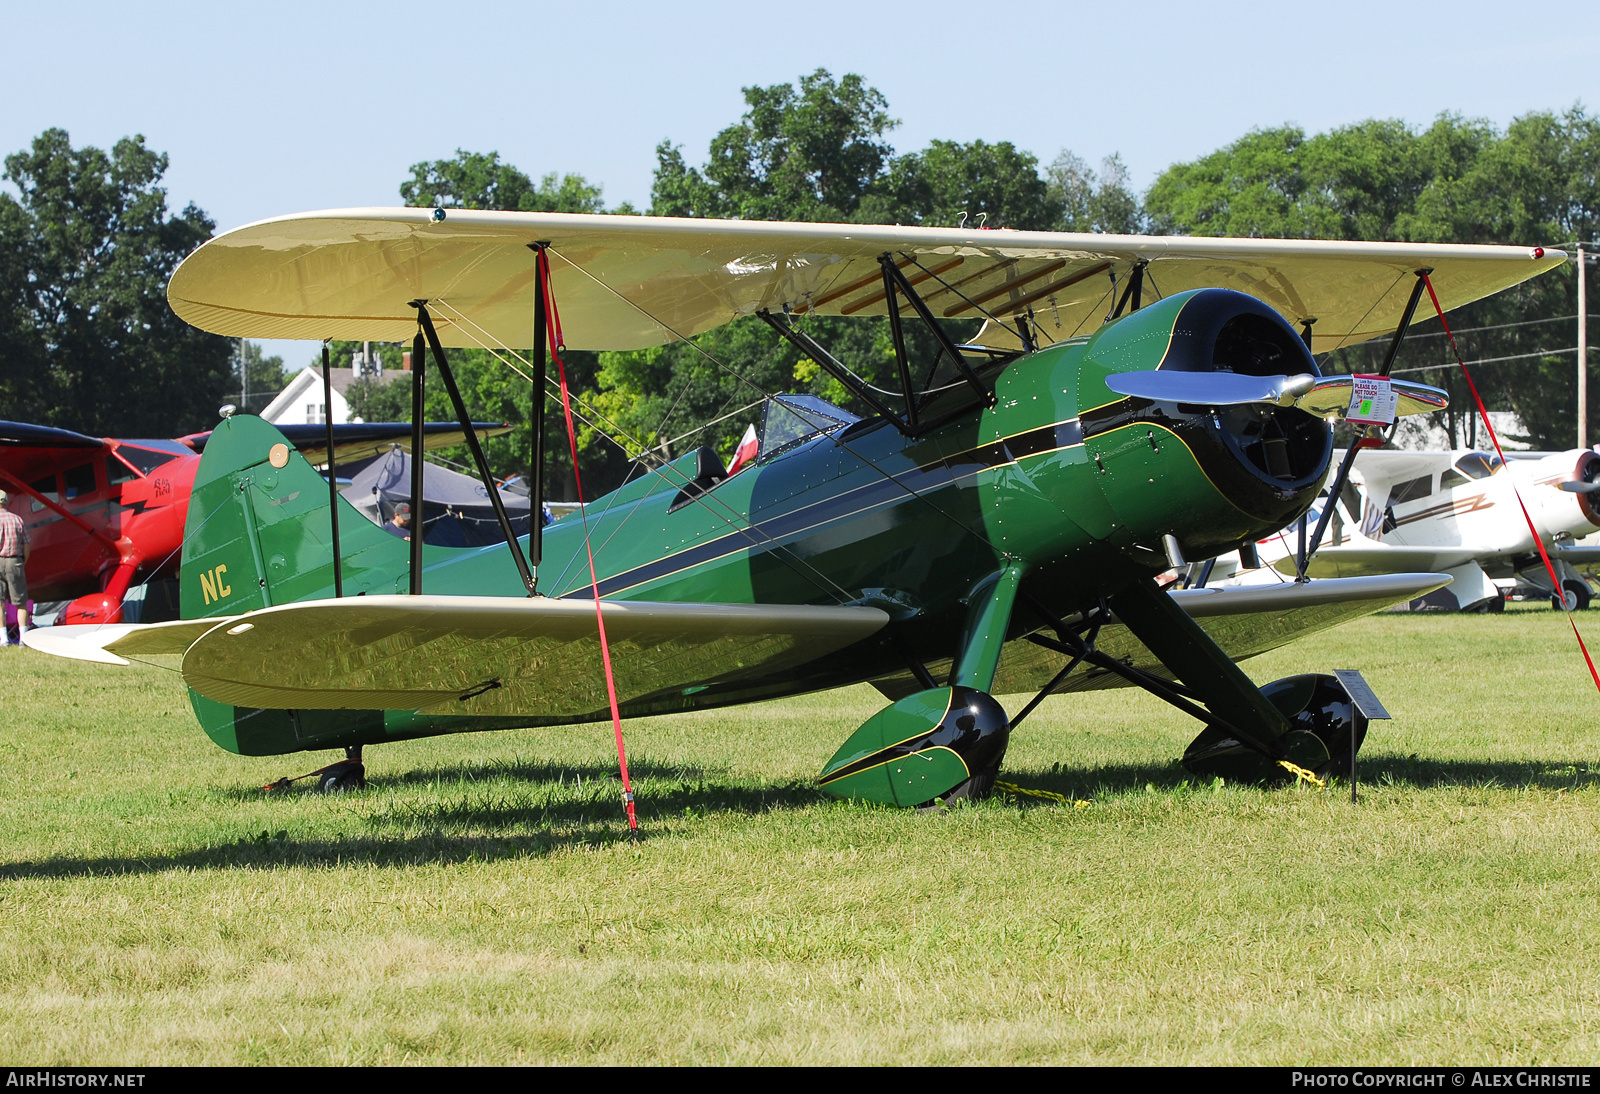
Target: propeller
1324,396
1573,486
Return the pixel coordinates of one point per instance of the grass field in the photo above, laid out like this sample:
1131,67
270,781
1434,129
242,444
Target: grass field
481,904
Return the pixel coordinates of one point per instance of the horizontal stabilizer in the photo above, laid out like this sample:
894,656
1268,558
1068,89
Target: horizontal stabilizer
119,643
508,656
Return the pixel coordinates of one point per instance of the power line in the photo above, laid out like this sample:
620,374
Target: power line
1498,326
1492,360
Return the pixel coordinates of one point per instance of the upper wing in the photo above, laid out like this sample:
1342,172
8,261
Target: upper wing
28,451
502,655
628,282
1244,620
354,441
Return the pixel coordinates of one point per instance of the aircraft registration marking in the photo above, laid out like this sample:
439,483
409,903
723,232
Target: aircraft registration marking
211,584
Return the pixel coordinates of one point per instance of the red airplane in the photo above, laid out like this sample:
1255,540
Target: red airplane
103,512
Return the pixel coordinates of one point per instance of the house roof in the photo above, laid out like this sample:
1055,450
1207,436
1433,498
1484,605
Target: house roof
308,381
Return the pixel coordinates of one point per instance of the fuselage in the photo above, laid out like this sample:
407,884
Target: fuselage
98,518
1452,506
1463,499
1059,476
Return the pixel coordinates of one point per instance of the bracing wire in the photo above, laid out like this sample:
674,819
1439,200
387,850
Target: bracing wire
765,396
728,516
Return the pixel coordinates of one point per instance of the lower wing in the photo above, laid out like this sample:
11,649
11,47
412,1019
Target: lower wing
1363,560
1244,620
476,655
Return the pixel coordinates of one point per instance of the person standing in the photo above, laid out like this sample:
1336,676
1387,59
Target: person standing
14,551
399,524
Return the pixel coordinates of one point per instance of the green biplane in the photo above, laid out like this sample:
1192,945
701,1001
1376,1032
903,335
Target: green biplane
994,525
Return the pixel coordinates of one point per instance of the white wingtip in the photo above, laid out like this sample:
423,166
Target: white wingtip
85,643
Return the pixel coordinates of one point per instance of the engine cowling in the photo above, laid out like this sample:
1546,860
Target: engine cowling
1267,461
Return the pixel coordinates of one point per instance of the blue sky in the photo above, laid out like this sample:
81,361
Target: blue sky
281,108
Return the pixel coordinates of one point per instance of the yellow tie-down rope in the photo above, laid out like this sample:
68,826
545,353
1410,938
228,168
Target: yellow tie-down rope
1048,795
1302,774
1080,803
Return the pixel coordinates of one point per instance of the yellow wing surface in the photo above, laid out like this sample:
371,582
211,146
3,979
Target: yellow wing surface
626,282
503,655
540,657
1245,621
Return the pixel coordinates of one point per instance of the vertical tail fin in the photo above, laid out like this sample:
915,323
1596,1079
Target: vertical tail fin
259,530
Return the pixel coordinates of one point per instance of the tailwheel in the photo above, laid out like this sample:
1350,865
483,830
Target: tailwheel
348,774
338,777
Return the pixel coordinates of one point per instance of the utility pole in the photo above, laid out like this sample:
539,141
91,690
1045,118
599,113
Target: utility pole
244,371
1583,347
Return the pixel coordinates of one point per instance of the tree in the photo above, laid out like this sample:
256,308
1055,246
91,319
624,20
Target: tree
799,153
1084,201
817,151
265,376
491,390
478,180
87,341
994,185
1457,181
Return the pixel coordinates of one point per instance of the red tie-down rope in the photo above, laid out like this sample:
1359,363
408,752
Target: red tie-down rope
1538,541
557,344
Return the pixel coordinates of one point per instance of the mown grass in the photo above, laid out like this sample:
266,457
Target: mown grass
480,903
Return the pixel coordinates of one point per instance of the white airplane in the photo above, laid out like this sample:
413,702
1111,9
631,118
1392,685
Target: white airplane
1453,513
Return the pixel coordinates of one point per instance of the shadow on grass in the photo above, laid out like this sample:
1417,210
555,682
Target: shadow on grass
562,807
1415,771
492,771
558,807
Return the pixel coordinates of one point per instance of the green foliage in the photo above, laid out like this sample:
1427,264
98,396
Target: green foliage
493,392
816,151
808,153
1457,181
1086,201
87,341
264,374
990,184
477,180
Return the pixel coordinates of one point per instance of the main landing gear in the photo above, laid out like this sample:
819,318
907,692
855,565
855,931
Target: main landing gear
947,743
346,774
